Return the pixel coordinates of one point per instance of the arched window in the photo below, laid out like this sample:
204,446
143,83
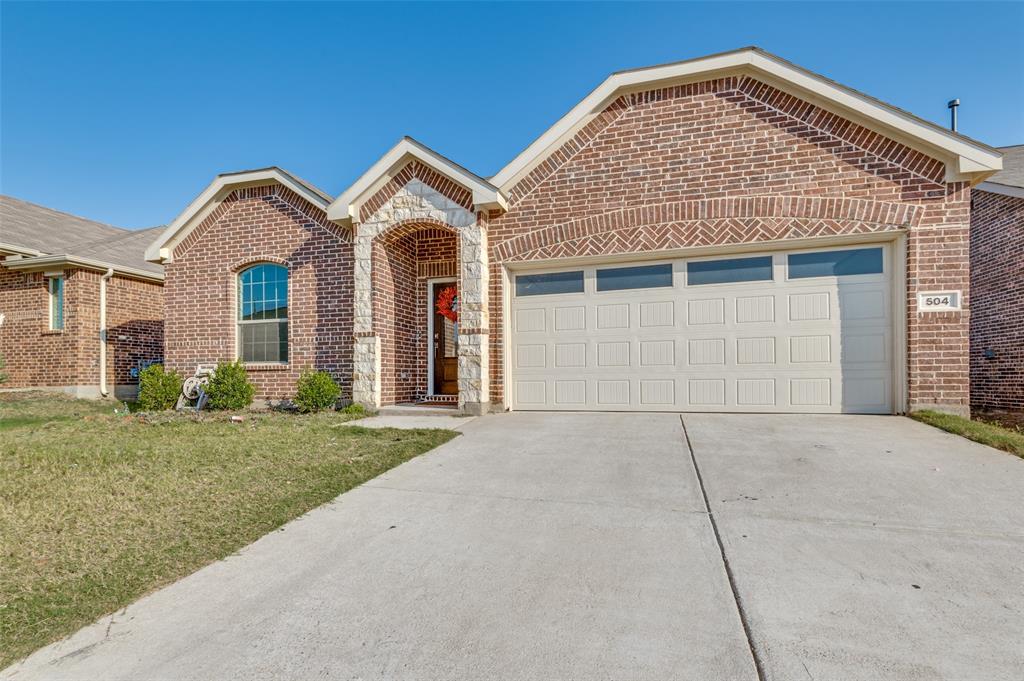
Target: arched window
263,313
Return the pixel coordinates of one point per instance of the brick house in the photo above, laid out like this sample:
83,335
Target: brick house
80,308
997,287
730,233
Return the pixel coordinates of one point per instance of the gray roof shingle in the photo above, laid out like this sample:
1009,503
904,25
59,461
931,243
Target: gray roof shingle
1012,173
52,232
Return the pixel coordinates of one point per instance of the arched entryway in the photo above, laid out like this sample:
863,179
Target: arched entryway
414,265
412,241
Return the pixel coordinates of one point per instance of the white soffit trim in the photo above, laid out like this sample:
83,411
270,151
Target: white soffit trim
1004,189
162,250
965,159
42,262
346,207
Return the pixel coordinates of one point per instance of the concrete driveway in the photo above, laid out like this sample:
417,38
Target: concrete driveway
558,546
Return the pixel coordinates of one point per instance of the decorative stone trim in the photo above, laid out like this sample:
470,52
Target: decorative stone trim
413,207
366,371
418,171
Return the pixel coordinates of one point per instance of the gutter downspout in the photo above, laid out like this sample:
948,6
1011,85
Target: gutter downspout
103,331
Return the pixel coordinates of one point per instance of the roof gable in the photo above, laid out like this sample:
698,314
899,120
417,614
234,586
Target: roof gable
162,249
965,159
346,207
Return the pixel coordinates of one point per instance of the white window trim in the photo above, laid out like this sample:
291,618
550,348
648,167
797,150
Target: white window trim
239,321
52,299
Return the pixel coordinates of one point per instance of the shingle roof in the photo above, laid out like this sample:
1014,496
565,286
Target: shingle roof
31,226
1012,173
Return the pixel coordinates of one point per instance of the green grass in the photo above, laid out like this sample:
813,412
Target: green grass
991,434
98,509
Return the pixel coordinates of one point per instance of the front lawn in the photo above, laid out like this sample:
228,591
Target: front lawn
991,434
97,509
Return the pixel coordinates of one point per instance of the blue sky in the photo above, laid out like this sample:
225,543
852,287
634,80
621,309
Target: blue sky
124,112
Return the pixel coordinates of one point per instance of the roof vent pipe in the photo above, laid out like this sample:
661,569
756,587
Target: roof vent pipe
952,105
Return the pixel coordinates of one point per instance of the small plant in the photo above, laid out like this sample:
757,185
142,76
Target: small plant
158,389
316,391
354,409
3,376
229,387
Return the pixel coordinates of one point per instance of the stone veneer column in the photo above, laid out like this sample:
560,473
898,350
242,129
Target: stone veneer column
474,333
414,202
366,347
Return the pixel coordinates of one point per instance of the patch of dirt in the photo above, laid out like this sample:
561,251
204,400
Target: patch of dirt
1014,420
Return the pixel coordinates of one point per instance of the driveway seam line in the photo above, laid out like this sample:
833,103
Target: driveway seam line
758,665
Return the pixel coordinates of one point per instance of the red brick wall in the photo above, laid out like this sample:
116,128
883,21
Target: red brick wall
263,224
733,161
997,301
135,327
38,357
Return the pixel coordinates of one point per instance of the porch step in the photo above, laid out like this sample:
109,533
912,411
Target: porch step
419,410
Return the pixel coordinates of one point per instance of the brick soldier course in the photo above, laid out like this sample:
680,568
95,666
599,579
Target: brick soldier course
746,154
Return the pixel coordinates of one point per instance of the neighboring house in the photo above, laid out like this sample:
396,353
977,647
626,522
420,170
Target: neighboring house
73,291
730,233
997,287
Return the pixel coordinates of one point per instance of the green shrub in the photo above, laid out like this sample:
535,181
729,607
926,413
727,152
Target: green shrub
3,376
316,391
354,409
158,389
229,387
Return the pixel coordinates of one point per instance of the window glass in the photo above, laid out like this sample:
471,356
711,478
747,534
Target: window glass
835,263
550,283
263,314
729,271
56,285
645,276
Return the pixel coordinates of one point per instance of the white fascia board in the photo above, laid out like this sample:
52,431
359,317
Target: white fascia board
345,208
162,249
1004,189
60,261
961,155
18,250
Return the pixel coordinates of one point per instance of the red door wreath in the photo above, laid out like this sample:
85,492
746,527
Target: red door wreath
448,303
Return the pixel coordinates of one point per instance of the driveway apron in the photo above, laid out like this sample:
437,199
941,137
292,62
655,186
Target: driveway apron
534,546
869,547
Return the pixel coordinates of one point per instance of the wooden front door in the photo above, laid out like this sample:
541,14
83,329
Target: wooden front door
446,347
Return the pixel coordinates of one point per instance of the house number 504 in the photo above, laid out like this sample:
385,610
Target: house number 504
938,301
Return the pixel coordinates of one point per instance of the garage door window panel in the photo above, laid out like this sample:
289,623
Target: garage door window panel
638,277
843,263
729,271
549,283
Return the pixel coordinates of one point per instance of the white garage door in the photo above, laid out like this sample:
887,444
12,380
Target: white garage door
797,331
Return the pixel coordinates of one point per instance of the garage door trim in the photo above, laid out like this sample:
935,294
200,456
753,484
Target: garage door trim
896,242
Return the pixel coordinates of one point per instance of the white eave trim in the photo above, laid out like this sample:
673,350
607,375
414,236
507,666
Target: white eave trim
44,262
964,158
1004,189
162,249
345,208
11,249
